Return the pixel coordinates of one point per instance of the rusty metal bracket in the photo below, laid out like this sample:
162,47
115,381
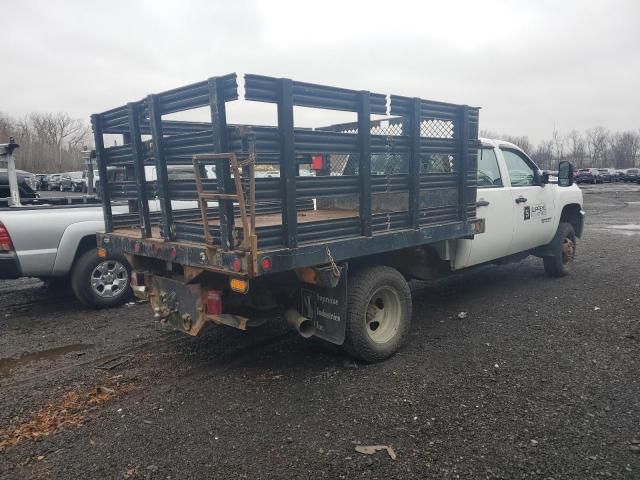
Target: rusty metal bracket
249,241
235,321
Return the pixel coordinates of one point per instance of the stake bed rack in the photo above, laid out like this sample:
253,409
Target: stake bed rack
381,184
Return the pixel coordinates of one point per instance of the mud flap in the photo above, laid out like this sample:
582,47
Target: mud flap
327,308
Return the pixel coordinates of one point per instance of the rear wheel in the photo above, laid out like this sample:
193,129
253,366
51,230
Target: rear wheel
564,248
378,313
101,282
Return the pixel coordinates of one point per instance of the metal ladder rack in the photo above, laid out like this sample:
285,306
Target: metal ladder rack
249,238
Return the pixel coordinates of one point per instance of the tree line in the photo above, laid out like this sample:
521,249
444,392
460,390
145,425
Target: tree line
595,147
49,142
53,142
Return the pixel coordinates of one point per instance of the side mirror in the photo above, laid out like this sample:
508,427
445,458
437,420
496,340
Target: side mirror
565,174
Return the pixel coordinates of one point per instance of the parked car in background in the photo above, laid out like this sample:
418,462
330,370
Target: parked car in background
605,175
615,174
77,178
632,175
60,181
588,175
27,184
42,180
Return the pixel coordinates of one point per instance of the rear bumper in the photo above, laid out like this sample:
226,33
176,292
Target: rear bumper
9,265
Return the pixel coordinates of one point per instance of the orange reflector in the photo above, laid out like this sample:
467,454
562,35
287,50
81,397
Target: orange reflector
102,253
240,286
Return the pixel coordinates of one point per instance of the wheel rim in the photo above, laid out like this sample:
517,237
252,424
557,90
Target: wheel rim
568,250
383,315
109,279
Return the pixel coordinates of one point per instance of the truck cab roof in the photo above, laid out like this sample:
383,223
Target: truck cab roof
491,142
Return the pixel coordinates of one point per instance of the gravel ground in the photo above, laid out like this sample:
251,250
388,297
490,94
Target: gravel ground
540,380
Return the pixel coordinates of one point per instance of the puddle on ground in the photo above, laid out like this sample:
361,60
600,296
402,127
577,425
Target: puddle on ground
7,365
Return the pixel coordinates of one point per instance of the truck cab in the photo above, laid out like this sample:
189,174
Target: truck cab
520,206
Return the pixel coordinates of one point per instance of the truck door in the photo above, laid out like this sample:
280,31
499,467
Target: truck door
534,203
495,206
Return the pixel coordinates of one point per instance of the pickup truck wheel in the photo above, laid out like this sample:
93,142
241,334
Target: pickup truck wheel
101,282
564,247
378,313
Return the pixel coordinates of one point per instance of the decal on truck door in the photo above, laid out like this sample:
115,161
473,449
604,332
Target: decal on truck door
537,211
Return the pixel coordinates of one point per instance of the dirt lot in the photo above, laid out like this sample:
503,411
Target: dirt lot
540,380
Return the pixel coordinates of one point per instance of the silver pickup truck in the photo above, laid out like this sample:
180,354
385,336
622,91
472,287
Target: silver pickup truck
55,242
40,238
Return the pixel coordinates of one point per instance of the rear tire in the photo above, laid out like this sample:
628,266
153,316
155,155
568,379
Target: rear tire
378,313
564,248
101,282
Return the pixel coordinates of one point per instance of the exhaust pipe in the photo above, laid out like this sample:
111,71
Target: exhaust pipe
303,325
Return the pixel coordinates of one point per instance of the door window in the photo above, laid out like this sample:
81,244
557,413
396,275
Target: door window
521,172
488,170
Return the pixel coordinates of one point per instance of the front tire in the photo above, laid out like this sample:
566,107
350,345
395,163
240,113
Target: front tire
378,313
101,282
564,250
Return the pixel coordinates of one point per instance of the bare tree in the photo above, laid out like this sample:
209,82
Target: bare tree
543,155
597,142
48,141
625,149
577,148
558,144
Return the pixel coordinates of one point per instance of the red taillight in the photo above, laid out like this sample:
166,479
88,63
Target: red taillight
6,245
317,162
266,264
214,302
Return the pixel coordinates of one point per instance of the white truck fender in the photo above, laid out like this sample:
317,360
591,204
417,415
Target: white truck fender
70,241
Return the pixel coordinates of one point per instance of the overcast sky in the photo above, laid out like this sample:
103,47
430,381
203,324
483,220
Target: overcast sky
572,64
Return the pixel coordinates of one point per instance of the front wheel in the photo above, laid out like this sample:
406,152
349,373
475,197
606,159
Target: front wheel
563,246
378,313
101,282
